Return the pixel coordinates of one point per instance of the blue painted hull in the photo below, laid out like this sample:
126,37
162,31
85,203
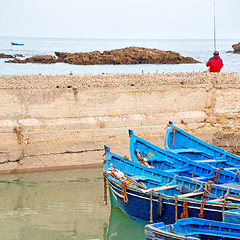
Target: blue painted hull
177,164
193,229
138,205
186,145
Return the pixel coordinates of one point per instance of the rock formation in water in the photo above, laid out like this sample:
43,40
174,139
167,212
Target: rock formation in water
131,55
35,59
2,55
236,48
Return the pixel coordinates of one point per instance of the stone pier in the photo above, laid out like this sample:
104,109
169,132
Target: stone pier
61,121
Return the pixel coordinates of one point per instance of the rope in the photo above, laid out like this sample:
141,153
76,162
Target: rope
237,173
216,175
151,195
124,191
105,186
223,209
185,210
204,201
208,186
176,211
204,195
174,130
209,227
141,158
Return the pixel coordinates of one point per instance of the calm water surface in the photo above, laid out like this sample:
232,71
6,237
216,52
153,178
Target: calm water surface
61,205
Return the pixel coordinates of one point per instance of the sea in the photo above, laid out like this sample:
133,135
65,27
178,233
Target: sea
199,49
62,205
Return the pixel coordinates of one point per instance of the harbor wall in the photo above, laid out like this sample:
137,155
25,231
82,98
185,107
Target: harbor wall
61,121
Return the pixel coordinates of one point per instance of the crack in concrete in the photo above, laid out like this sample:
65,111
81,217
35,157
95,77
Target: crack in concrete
67,152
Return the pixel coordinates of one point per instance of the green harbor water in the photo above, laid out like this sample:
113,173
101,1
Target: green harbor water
61,205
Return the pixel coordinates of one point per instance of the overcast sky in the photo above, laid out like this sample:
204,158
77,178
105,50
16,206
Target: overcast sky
144,19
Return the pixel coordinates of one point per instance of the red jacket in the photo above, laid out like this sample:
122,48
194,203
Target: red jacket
215,63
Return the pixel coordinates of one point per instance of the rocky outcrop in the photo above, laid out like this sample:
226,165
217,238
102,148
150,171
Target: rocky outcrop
236,48
131,55
2,55
35,59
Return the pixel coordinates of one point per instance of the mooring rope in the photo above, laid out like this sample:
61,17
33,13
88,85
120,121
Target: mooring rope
185,210
204,201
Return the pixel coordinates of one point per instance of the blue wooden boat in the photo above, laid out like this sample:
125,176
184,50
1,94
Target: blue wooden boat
232,216
17,44
184,144
193,229
152,195
148,154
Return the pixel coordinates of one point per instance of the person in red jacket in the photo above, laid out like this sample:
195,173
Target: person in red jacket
215,63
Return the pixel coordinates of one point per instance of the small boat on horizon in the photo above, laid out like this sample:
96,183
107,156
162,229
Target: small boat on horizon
17,44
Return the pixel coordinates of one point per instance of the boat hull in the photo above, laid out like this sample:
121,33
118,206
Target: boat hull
138,205
193,229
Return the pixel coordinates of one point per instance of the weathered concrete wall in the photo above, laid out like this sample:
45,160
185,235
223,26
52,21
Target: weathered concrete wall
61,121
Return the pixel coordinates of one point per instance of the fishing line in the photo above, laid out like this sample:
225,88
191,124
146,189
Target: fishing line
214,26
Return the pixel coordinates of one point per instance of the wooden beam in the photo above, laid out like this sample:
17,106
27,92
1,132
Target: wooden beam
192,194
233,198
159,188
217,200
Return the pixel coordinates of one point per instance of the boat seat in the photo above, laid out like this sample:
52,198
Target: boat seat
231,169
191,150
210,160
177,170
192,194
199,178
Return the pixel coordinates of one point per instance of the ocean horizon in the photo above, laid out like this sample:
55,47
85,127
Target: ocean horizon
199,49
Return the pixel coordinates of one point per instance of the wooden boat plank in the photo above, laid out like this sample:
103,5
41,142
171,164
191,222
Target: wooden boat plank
160,188
192,194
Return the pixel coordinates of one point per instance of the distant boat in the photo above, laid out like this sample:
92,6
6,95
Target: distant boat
17,44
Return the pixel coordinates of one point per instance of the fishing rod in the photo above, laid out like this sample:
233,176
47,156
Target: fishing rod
215,45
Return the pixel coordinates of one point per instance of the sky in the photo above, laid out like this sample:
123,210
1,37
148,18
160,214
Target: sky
124,19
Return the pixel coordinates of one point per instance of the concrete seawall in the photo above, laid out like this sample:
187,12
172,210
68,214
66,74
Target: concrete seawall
64,121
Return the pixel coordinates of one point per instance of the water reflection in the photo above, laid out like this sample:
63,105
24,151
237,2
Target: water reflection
122,227
61,205
53,205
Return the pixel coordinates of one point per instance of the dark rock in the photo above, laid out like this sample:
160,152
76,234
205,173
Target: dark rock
35,59
131,55
236,48
2,55
18,55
